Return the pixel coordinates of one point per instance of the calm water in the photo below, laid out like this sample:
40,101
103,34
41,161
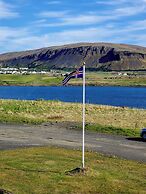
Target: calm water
116,96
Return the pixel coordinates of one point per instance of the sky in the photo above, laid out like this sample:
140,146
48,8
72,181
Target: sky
32,24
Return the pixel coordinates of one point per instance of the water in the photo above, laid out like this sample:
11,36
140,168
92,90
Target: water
105,95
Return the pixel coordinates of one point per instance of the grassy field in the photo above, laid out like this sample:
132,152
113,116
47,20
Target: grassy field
107,119
112,79
92,78
32,80
42,171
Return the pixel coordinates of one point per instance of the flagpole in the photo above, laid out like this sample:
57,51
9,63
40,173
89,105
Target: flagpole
83,143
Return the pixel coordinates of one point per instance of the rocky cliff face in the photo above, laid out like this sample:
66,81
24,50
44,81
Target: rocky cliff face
98,56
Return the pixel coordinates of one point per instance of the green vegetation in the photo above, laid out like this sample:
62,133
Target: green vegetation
31,80
42,170
113,79
92,78
112,130
107,119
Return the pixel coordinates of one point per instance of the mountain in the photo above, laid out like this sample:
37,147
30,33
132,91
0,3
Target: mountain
98,56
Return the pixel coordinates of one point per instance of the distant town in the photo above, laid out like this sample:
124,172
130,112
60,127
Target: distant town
22,71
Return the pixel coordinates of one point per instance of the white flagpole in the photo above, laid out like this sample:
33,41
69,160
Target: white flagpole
83,145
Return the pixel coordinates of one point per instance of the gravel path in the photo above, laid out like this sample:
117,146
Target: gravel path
15,136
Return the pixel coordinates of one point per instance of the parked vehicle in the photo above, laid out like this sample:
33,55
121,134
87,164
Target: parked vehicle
143,134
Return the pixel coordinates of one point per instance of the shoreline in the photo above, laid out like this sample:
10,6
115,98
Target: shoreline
55,85
43,111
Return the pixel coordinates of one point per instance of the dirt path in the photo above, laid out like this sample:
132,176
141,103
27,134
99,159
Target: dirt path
15,136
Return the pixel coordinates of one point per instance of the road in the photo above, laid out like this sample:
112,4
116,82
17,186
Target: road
15,136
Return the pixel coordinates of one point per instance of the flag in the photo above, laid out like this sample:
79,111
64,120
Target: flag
78,73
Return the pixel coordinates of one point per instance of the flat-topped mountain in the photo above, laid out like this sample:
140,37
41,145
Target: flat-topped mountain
98,56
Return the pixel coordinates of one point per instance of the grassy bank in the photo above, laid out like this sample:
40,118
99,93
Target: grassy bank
107,119
92,78
42,170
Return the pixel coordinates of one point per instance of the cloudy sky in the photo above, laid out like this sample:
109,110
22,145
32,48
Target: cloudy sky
29,24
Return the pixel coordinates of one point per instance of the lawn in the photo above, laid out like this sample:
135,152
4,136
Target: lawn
43,171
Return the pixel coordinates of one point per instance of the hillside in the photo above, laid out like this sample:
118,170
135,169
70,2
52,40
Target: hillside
98,56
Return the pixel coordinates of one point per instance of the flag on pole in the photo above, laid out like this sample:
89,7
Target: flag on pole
78,73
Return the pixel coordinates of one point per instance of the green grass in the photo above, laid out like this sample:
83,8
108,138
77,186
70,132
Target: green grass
34,80
105,119
92,78
42,171
111,79
112,130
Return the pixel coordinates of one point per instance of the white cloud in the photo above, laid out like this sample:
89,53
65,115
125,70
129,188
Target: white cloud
140,40
53,14
129,11
122,8
66,18
110,2
12,39
9,33
23,39
6,11
119,2
83,19
69,27
136,26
